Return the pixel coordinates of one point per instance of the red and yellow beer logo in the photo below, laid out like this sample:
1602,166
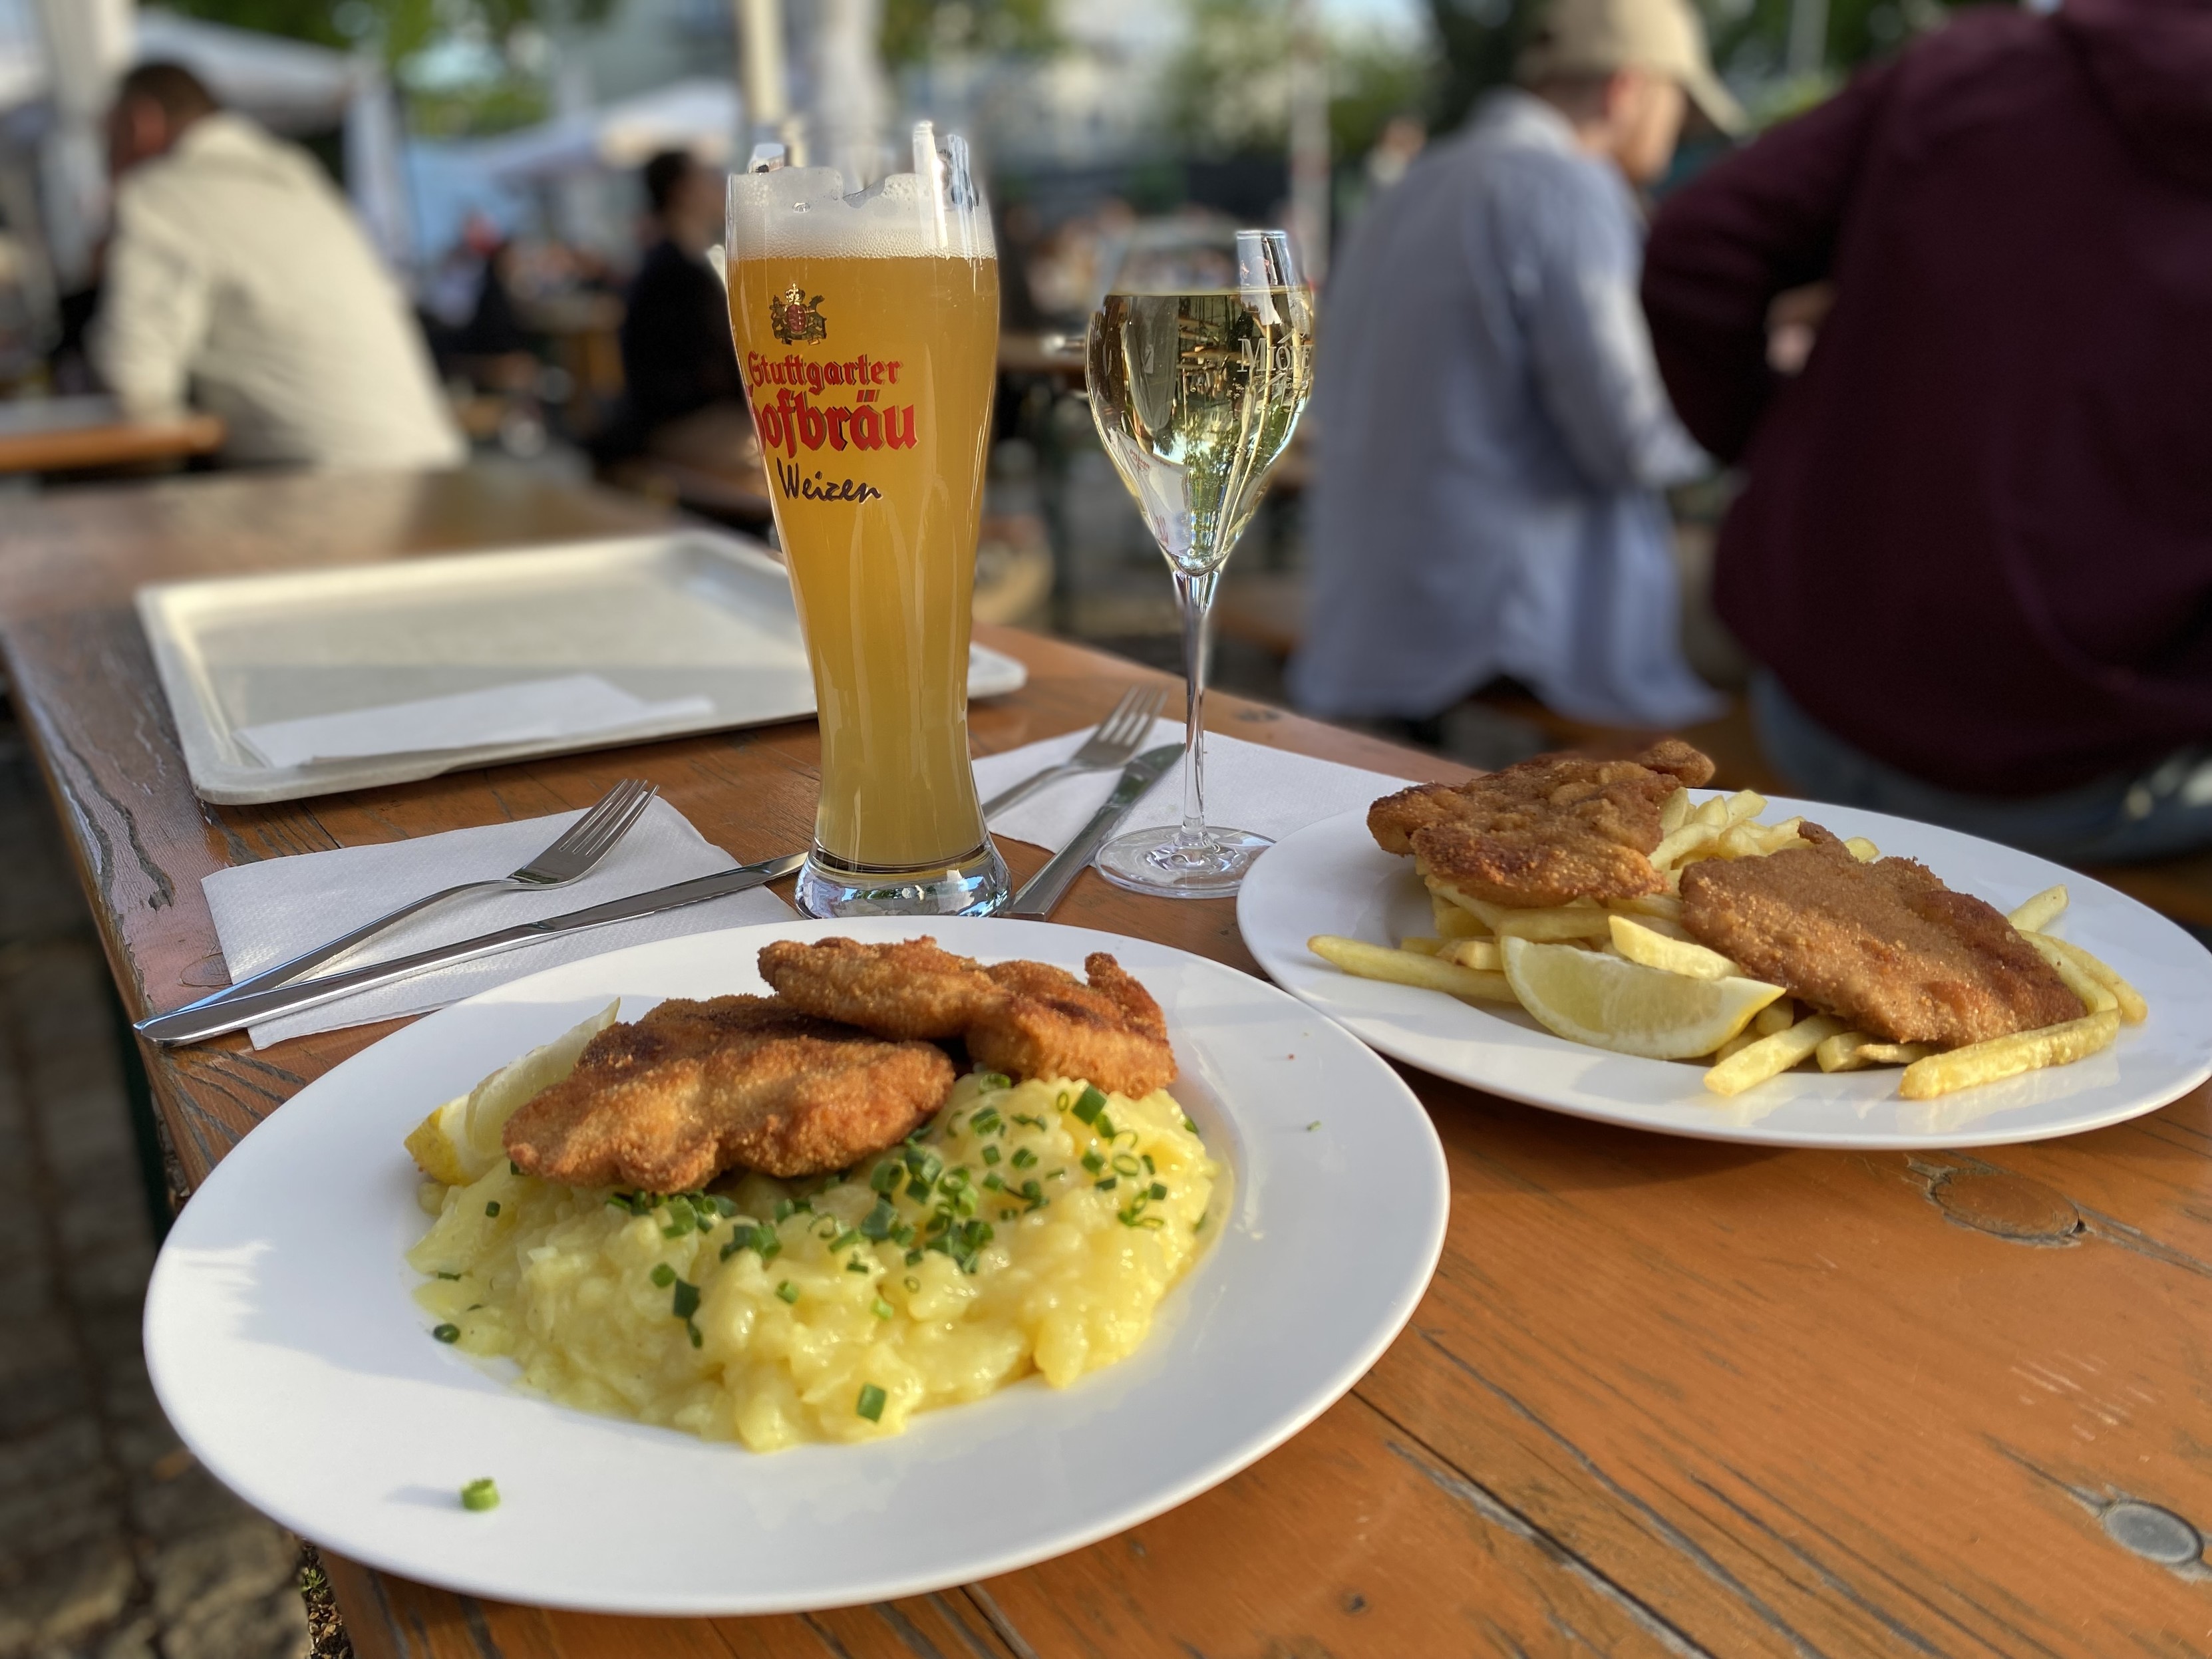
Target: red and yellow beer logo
795,318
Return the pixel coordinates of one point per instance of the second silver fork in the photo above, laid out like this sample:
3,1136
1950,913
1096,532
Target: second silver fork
570,858
1109,747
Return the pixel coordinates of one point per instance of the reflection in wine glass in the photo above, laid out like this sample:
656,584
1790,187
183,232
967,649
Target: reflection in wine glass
1195,392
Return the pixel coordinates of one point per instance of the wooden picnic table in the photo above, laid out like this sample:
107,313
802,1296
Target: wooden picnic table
1665,1397
63,434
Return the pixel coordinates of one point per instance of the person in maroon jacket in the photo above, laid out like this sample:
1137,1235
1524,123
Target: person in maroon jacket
1974,553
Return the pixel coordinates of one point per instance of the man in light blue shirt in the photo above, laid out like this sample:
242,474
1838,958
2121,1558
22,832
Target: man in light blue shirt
1491,430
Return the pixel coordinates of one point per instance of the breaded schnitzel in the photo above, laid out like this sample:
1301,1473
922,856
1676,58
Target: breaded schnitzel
667,1103
1544,832
1885,945
1048,1024
909,988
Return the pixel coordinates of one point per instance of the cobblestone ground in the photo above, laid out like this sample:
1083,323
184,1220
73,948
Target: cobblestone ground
114,1543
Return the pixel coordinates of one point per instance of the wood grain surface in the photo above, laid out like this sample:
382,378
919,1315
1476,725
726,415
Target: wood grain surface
1664,1396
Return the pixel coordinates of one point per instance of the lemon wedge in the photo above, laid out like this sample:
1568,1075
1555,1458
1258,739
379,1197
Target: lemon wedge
1610,1002
460,1141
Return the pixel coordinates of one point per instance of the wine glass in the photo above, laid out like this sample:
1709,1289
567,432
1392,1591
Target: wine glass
1196,392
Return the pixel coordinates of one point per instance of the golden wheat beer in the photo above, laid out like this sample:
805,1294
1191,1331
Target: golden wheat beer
866,331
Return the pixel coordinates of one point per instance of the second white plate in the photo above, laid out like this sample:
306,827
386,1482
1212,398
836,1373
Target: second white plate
287,1351
1331,877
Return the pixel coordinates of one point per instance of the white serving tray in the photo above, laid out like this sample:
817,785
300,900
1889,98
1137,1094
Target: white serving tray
683,613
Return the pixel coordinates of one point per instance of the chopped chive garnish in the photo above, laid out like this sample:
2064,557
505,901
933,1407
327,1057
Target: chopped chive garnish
480,1495
881,1309
845,1240
912,1283
1092,1102
993,1181
1025,1158
857,1264
787,1292
442,1274
512,1168
1188,1124
447,1332
685,1301
1311,1126
1094,1162
987,1121
492,1208
886,1176
783,1209
993,1081
991,1155
691,1330
1033,1122
871,1403
1158,1189
1124,1164
879,1221
1108,1184
1148,1163
1105,1127
663,1274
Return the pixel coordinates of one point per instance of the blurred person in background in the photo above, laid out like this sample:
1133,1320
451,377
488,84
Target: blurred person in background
237,273
676,355
1490,429
1974,554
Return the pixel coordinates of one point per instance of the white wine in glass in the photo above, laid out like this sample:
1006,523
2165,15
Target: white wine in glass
1196,394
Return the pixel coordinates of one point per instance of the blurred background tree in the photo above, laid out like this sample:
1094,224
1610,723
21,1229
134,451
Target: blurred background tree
1228,89
916,30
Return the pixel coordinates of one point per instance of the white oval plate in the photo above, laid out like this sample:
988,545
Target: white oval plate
1331,877
287,1351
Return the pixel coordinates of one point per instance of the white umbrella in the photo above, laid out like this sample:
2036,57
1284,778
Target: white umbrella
697,115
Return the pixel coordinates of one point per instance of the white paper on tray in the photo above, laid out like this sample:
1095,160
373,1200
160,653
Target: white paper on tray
527,711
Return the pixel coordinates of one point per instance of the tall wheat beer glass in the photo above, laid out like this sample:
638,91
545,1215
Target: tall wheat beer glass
867,328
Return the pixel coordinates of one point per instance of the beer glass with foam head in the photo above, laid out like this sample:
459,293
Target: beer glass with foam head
867,326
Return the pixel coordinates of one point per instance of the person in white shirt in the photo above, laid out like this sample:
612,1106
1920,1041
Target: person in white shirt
238,276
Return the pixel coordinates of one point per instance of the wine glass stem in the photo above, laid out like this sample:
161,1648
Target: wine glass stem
1196,595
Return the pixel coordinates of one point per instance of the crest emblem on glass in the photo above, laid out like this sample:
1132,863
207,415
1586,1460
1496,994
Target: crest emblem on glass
866,325
1196,388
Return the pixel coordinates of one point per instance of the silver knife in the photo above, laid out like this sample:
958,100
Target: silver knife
213,1017
1035,901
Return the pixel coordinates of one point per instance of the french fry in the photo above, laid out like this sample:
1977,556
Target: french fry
1771,1056
1480,954
1641,943
1690,837
1674,811
2096,996
1745,804
1737,1044
1567,922
1664,905
2133,1009
2008,1056
1422,947
1840,1053
1454,921
2037,913
1894,1053
1365,961
1713,813
1862,850
1775,1016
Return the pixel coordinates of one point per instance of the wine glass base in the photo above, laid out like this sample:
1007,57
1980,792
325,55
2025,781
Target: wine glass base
1154,861
975,886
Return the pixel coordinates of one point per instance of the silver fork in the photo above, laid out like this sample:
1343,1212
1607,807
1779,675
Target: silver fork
1109,747
570,858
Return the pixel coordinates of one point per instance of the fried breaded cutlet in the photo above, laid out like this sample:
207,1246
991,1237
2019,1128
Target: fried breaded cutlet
906,989
1545,832
667,1103
1047,1023
1885,945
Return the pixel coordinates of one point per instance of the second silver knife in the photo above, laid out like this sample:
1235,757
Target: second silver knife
1044,890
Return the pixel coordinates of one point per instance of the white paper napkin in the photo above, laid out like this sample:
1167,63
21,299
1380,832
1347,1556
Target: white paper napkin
571,705
1270,791
266,912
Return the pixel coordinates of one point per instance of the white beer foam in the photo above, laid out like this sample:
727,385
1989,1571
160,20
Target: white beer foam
803,211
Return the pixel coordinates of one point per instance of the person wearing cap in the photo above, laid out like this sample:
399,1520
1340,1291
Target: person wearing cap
1492,432
1973,556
